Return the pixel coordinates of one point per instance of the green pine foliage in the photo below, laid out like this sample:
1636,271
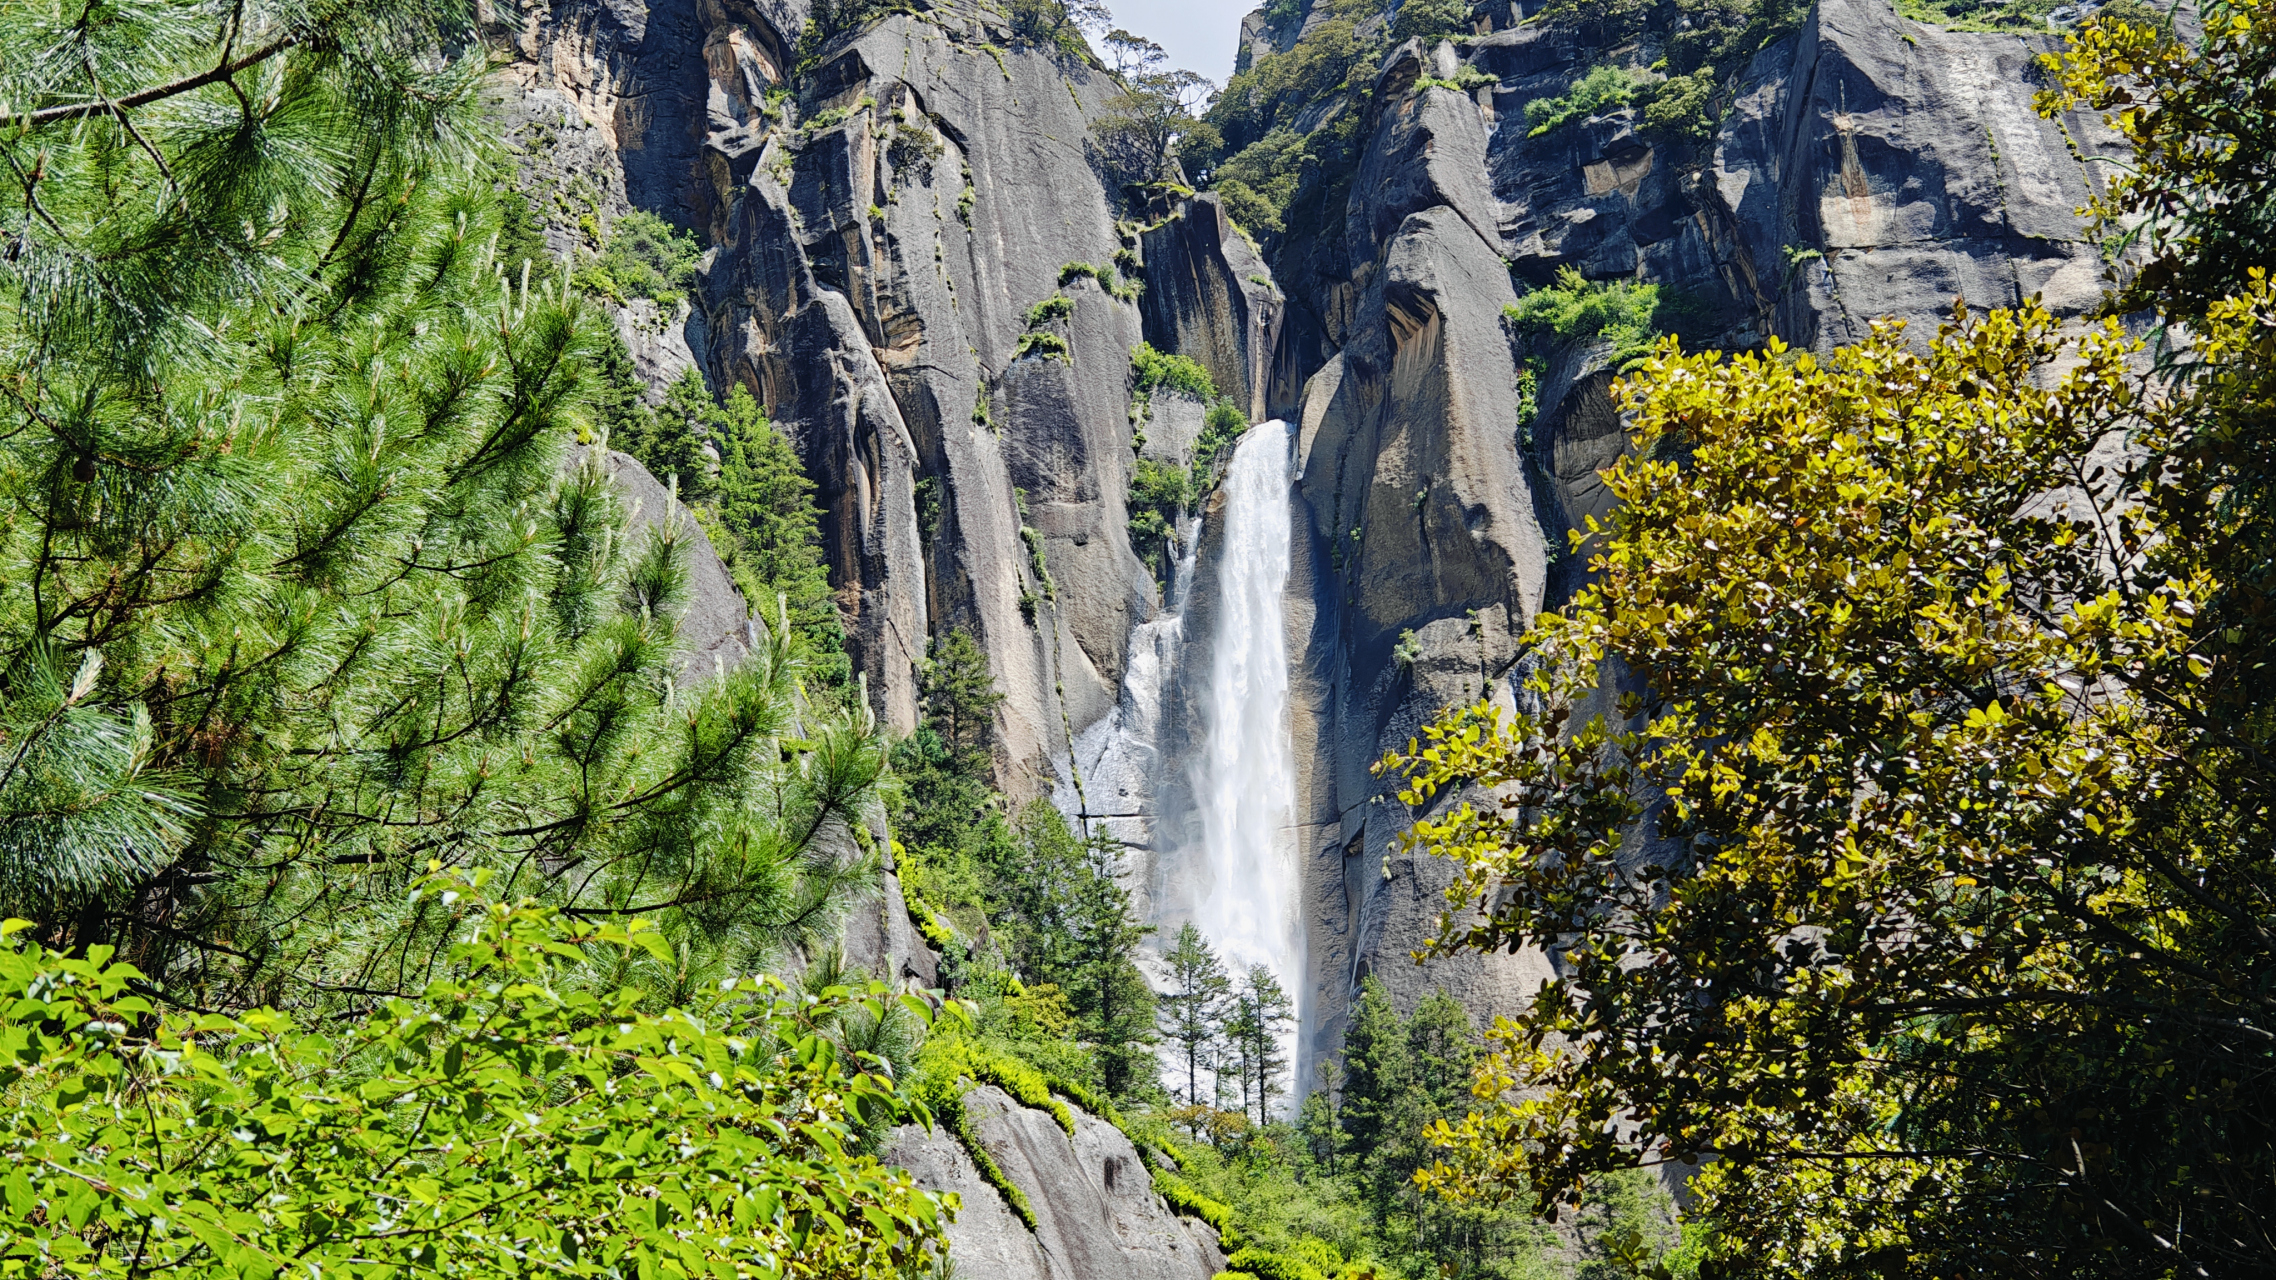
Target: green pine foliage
1194,1009
1259,1015
742,477
1074,928
675,440
765,506
945,811
1399,1075
305,588
1602,88
615,395
521,236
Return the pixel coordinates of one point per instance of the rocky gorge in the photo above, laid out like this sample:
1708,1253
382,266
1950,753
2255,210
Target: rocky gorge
887,215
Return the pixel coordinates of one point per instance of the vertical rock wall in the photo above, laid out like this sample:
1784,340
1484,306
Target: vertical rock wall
874,271
1870,166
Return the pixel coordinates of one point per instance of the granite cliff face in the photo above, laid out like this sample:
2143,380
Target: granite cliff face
1870,166
881,223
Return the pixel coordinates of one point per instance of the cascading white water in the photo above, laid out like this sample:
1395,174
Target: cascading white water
1220,837
1109,780
1243,778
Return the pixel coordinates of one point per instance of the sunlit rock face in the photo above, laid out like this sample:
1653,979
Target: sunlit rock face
1096,1213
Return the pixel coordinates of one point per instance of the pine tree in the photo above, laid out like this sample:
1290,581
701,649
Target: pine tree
1193,1013
945,809
1379,1090
285,445
765,504
675,438
1064,919
1262,1012
1111,999
960,697
1399,1075
617,394
1443,1047
743,479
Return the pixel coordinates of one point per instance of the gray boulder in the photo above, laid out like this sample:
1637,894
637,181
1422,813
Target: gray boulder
1096,1210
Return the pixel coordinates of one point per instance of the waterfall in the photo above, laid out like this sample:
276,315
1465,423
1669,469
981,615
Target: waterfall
1109,781
1247,884
1194,771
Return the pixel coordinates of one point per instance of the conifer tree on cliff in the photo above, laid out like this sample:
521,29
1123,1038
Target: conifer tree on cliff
1193,1012
1261,1013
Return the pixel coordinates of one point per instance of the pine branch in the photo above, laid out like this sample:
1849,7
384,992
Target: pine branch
158,93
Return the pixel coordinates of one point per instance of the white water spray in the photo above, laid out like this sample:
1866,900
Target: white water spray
1244,777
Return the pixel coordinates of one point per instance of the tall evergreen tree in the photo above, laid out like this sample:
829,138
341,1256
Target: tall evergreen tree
1111,998
743,478
300,596
617,395
945,809
1193,1012
674,439
1381,1125
1064,919
1262,1013
960,697
766,500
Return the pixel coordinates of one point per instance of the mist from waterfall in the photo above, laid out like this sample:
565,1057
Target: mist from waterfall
1243,779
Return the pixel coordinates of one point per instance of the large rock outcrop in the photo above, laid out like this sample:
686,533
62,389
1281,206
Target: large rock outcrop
1209,296
876,271
1427,551
881,223
1096,1211
1870,166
